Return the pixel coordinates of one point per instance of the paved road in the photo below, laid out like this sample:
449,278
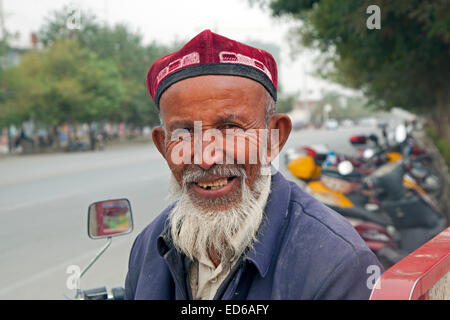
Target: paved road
43,211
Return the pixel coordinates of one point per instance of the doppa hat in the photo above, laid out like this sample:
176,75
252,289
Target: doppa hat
209,53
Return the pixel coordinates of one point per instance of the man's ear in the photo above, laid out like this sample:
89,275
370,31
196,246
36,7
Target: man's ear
283,124
159,136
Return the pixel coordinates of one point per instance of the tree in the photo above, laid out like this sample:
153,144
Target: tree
344,107
286,103
63,83
406,63
3,47
120,45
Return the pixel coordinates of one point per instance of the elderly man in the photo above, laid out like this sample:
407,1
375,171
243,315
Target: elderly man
236,228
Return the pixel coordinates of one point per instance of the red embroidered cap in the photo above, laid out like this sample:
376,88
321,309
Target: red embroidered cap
210,53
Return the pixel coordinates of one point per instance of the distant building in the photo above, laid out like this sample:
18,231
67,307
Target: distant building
303,110
12,57
14,52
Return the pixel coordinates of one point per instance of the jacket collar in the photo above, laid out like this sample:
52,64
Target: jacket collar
270,230
269,233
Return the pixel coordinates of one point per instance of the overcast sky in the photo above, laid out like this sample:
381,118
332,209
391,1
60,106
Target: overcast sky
169,20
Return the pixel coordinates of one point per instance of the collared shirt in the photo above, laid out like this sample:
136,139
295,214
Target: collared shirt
204,277
304,250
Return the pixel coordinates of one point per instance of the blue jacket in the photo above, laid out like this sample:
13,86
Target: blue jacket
304,251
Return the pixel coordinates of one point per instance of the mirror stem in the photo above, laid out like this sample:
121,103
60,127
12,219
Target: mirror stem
108,243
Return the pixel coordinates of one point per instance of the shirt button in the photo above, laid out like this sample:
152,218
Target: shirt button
214,280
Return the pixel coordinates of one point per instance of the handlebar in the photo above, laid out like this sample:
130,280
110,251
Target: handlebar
101,293
118,293
95,294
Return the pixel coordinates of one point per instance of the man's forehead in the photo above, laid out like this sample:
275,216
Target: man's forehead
211,96
213,86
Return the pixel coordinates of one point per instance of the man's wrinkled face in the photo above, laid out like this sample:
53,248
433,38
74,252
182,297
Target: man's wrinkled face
213,166
215,139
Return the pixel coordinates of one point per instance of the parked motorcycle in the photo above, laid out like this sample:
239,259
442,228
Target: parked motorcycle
419,173
402,209
375,227
106,219
414,215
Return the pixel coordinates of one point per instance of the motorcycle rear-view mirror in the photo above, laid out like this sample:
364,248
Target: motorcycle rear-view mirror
358,140
400,133
345,167
109,218
368,153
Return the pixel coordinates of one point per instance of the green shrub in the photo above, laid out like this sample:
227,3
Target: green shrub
432,134
444,148
443,145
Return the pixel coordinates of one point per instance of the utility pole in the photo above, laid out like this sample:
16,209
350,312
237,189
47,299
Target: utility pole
327,109
4,38
2,21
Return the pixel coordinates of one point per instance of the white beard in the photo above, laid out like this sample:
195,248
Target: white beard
230,231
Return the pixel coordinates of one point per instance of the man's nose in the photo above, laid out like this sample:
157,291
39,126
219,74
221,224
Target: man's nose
211,153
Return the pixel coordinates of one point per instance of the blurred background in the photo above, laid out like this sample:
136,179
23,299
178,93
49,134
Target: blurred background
76,117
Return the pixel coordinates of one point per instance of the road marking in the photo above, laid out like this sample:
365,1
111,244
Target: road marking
112,164
141,179
60,268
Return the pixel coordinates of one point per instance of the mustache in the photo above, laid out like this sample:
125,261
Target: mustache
194,172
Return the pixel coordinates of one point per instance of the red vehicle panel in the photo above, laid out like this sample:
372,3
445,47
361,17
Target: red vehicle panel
413,277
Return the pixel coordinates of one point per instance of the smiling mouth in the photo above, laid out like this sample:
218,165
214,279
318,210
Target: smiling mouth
213,187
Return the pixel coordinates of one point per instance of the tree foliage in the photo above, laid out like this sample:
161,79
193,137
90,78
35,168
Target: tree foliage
63,83
406,63
286,102
90,73
343,107
120,45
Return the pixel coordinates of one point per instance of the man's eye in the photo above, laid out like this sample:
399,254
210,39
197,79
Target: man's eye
181,134
186,130
231,126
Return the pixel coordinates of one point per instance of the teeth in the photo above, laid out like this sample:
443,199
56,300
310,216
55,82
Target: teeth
213,185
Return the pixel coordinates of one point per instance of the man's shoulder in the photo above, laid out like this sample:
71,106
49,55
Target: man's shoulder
145,259
321,222
325,251
149,235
